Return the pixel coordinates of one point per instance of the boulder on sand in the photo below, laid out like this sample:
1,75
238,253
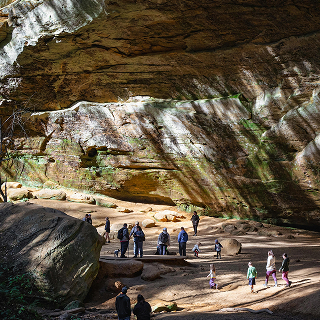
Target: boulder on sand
148,223
168,215
120,268
18,194
11,185
50,194
81,198
153,271
231,246
60,253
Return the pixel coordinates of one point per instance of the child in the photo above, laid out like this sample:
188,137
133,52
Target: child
251,275
196,249
217,248
212,276
285,269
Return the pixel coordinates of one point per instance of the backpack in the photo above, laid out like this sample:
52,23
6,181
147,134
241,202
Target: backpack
120,234
164,237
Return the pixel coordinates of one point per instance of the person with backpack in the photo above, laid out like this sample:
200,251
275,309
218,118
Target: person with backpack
138,238
123,236
123,305
142,309
135,243
195,221
182,239
163,241
107,228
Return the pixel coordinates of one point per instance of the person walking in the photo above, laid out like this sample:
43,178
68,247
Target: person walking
138,238
195,221
107,228
285,269
271,269
217,248
123,236
212,276
163,241
251,275
196,249
123,305
142,309
135,243
182,239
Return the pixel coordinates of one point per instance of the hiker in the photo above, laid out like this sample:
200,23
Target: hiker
107,228
217,248
123,306
271,269
89,220
85,218
285,269
196,249
138,238
123,236
163,241
195,221
142,309
135,244
251,275
212,276
182,239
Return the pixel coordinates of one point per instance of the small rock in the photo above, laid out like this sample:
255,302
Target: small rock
65,316
11,185
290,236
104,203
125,210
148,223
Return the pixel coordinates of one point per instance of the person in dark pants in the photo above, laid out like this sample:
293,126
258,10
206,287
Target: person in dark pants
142,309
182,239
89,219
138,238
124,241
195,221
123,305
163,241
107,228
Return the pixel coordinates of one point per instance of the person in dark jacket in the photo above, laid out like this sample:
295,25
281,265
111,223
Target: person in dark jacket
123,305
124,241
142,309
285,269
138,238
107,228
195,221
182,239
89,219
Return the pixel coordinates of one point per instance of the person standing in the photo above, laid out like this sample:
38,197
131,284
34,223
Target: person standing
135,243
217,248
123,236
285,269
271,269
89,219
251,275
85,218
182,239
142,309
107,228
195,221
123,306
163,241
138,238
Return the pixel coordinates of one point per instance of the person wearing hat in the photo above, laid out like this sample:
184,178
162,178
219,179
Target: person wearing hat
163,241
123,305
135,243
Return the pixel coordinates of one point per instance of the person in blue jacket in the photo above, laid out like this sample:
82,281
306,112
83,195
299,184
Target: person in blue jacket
182,239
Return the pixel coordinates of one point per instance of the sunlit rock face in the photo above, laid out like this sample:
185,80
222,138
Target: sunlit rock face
254,157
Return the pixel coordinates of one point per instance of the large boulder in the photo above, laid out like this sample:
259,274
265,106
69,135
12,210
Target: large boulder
153,271
148,223
59,252
168,215
81,198
50,194
11,184
231,246
16,194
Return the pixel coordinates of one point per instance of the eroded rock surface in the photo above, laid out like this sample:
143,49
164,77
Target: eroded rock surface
60,253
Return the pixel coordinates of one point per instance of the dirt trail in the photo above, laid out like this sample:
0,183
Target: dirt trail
188,285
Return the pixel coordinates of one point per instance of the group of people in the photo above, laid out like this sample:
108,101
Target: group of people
271,270
87,218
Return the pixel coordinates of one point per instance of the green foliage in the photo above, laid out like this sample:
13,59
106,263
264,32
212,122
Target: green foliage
16,291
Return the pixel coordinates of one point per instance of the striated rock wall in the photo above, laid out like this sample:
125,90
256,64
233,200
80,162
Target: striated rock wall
253,153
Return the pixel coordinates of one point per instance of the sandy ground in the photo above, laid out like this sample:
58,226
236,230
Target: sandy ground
188,285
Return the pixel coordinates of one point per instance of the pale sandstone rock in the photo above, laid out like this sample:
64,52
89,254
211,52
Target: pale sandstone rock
231,246
11,185
81,198
50,194
104,203
60,252
18,194
125,210
153,271
167,215
148,223
120,268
